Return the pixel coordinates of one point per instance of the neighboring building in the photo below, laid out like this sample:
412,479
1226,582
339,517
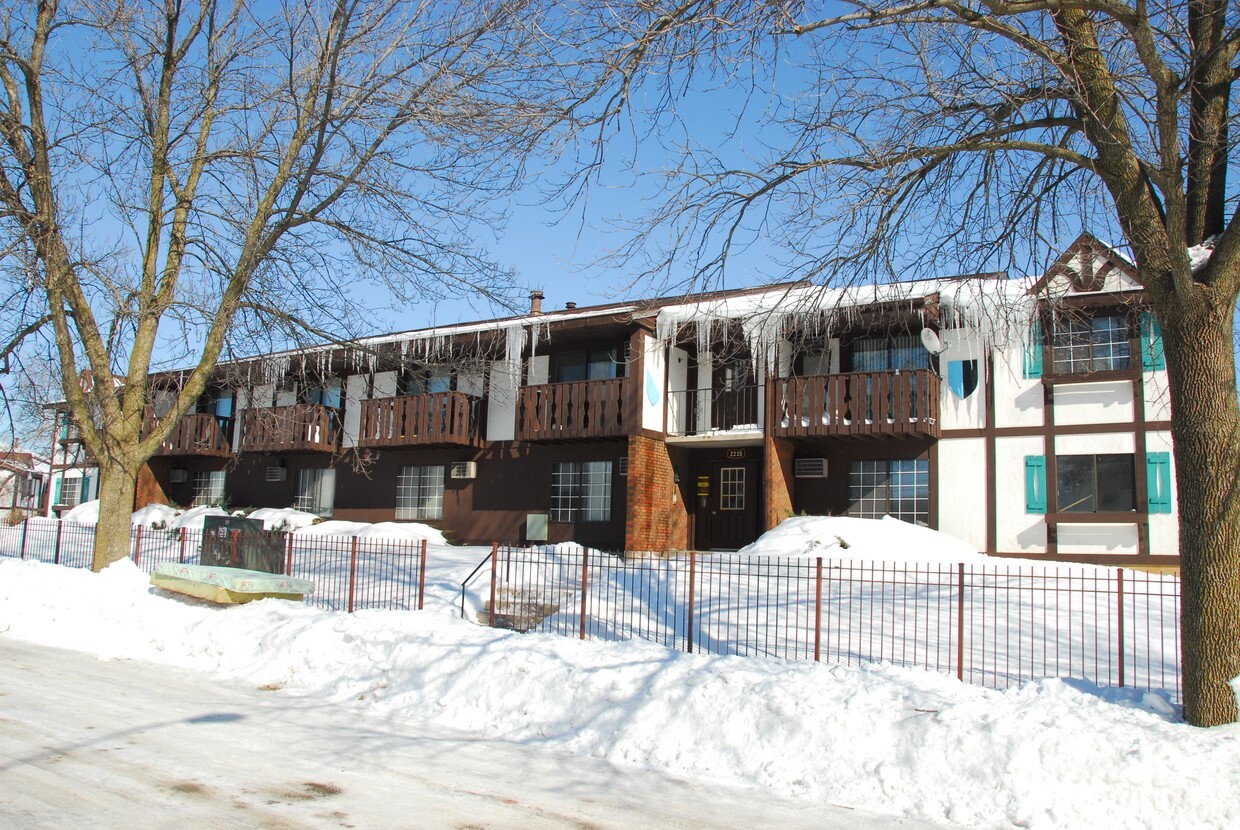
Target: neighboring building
21,484
1030,419
73,474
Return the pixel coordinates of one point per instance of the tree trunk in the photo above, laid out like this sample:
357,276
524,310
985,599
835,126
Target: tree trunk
1206,430
116,491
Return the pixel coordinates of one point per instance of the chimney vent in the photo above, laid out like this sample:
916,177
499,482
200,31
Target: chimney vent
570,305
536,298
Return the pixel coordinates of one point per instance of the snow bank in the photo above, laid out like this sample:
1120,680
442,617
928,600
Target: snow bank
86,513
283,518
154,515
192,519
1050,754
843,537
377,530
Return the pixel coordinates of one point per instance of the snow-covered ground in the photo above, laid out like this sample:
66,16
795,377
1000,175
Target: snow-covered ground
1049,754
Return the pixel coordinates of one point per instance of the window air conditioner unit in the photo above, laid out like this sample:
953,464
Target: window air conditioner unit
277,473
464,469
623,466
178,476
809,468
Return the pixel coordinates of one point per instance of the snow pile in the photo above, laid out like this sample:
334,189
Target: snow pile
844,537
1199,255
378,530
154,515
193,518
1051,754
86,513
283,518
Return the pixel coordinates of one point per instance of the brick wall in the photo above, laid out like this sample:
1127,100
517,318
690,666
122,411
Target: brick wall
656,518
148,489
779,481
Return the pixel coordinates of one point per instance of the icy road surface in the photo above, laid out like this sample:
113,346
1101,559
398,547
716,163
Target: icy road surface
90,743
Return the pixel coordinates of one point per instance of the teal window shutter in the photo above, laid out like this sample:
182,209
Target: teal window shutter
1033,351
1152,356
1158,481
1035,484
56,490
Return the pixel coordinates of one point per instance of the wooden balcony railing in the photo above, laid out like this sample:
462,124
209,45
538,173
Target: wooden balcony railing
199,434
439,419
297,428
873,404
579,409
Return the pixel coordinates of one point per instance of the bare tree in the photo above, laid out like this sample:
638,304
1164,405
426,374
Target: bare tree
179,175
900,134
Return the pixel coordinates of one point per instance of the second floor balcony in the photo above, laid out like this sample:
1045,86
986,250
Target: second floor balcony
861,404
199,434
574,410
437,419
296,428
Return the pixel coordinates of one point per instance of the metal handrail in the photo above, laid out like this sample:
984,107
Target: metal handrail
474,573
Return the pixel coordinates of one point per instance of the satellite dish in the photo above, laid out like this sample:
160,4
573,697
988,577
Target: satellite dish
931,341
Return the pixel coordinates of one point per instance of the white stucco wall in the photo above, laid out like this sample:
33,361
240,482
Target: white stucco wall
502,401
652,384
354,392
1018,400
1093,403
969,412
1016,530
962,489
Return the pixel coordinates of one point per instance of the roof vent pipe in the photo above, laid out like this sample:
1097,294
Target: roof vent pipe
536,298
570,305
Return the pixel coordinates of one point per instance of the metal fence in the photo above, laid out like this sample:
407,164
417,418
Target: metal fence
992,625
349,573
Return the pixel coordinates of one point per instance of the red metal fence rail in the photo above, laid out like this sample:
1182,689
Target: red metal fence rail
993,625
349,573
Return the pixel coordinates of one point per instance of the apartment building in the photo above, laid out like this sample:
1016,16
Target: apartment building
1029,417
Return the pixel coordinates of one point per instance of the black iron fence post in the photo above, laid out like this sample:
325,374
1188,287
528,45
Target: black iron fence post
25,529
960,622
60,525
421,577
1119,598
689,611
818,610
494,573
585,568
352,572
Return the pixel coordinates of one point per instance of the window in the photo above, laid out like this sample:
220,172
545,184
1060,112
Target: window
581,491
890,488
70,491
424,381
587,364
886,354
208,488
1096,344
1095,483
732,488
316,491
419,493
327,394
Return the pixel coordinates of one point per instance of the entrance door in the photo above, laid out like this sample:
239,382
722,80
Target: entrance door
726,515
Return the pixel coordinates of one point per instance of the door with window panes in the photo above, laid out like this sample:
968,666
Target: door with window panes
727,501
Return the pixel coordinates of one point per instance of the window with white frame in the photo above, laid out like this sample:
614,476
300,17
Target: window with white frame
70,491
208,487
581,491
419,493
900,489
316,491
1093,344
732,488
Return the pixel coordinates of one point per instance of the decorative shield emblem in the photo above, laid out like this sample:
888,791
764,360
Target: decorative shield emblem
962,377
652,390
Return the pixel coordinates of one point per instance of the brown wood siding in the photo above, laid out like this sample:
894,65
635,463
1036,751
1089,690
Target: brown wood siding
439,419
861,404
296,428
199,434
575,410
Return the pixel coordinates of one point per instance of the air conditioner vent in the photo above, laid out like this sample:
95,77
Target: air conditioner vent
464,469
178,476
276,474
809,468
623,466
